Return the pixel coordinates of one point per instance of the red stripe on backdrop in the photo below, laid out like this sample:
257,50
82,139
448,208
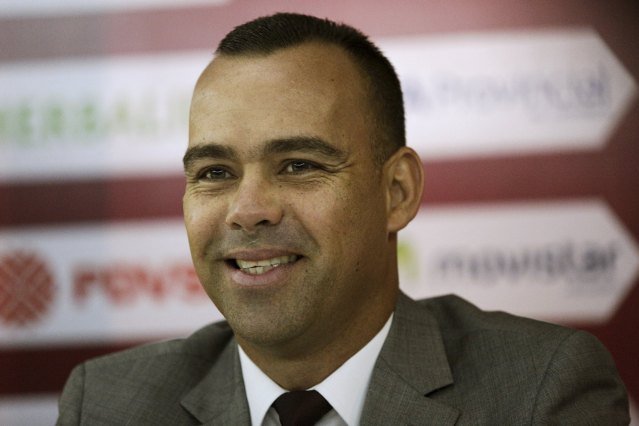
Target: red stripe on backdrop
44,370
46,203
201,27
612,174
538,177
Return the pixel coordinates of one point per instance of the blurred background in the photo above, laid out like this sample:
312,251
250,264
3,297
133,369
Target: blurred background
525,114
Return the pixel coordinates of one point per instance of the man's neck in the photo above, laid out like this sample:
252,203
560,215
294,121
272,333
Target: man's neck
297,369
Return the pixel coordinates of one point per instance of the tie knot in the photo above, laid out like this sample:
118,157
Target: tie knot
301,408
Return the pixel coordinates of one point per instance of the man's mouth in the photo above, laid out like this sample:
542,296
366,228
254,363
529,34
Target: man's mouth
257,267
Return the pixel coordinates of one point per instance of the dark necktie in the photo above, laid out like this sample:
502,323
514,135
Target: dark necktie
301,408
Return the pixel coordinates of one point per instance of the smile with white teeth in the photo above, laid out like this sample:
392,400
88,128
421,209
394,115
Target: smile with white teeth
256,267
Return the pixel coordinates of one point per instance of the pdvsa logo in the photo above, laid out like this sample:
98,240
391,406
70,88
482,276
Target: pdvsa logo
27,288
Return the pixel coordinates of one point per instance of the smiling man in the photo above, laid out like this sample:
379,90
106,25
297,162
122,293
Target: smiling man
298,180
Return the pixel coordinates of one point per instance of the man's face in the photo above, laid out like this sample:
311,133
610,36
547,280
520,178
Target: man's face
284,207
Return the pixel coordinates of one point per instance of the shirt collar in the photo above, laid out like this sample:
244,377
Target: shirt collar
345,389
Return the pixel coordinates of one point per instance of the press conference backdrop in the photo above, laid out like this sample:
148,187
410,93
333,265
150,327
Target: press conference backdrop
525,114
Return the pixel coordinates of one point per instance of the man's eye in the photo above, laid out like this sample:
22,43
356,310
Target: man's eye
215,173
299,166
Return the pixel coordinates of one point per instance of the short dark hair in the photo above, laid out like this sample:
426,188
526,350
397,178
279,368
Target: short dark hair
267,34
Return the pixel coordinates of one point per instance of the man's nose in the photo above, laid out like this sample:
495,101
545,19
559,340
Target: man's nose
254,204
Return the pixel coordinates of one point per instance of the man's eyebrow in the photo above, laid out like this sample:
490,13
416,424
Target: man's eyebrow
303,144
275,146
210,150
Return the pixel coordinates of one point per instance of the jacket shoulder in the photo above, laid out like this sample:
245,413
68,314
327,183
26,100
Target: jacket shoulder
144,382
531,369
498,343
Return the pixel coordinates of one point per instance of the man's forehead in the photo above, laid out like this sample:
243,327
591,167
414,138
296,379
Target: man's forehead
310,76
306,90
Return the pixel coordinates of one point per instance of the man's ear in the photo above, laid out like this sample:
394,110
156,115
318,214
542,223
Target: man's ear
404,180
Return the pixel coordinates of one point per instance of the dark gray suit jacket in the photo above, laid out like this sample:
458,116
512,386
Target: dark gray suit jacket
444,362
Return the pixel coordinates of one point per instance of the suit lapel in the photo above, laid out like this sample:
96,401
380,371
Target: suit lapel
411,365
219,398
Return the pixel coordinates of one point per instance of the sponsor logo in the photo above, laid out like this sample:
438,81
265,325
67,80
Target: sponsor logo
587,265
563,261
95,117
552,95
514,92
125,283
93,120
27,288
99,283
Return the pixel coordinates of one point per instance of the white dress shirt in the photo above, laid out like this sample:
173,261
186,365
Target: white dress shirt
345,389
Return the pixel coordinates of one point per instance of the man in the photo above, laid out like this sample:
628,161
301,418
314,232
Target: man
298,180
